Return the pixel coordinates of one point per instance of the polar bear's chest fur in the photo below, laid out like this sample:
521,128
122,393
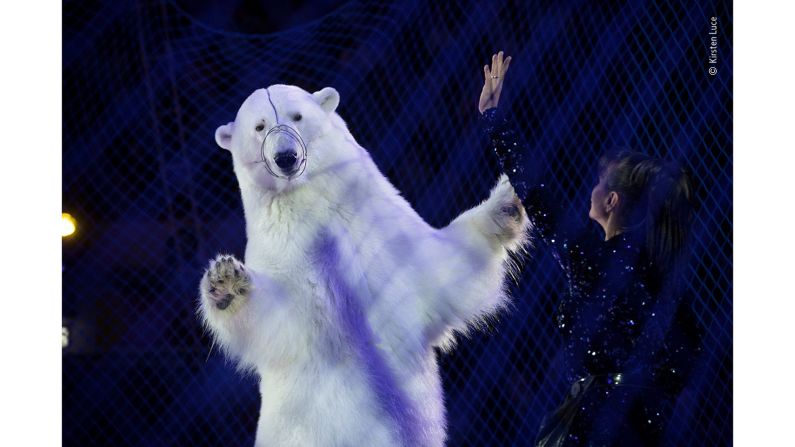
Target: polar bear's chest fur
342,342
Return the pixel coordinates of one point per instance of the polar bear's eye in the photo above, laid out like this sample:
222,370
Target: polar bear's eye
259,127
297,117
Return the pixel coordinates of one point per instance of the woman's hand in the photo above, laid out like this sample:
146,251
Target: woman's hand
492,87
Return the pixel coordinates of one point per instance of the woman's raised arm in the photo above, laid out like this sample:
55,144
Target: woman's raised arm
512,152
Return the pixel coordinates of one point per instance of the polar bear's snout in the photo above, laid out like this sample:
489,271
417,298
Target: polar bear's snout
286,160
284,151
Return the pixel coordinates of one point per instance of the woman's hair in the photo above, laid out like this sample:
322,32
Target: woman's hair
655,196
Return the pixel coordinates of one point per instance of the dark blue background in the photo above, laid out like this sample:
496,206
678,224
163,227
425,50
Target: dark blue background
146,83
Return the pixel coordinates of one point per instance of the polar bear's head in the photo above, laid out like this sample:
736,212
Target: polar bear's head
283,136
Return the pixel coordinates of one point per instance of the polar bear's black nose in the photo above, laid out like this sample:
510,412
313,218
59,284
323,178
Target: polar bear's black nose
286,160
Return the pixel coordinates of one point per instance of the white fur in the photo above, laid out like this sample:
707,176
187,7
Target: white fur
413,283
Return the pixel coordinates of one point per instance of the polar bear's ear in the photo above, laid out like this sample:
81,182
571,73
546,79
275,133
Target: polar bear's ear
328,98
223,136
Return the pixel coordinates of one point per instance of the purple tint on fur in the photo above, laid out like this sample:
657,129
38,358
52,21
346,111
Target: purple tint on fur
357,331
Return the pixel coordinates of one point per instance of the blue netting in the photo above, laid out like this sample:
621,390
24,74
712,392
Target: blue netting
145,85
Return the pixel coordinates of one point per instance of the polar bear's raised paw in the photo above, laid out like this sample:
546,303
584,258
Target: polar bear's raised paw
225,281
507,213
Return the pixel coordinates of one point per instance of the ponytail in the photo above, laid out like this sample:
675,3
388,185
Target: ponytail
668,215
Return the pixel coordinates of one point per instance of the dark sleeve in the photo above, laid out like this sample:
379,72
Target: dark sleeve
512,152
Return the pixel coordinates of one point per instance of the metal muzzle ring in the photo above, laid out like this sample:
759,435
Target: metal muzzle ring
301,155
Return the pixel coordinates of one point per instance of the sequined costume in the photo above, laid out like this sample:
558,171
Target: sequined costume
628,342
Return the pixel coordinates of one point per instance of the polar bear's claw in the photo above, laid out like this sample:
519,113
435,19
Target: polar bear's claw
225,280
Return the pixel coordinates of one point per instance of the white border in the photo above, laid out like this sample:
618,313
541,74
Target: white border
30,172
764,179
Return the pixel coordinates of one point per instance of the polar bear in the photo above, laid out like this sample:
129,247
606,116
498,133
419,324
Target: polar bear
345,289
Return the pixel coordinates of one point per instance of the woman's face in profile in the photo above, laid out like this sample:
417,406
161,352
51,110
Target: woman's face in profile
598,211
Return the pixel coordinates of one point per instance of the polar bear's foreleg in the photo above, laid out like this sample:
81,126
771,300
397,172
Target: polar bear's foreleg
474,262
225,291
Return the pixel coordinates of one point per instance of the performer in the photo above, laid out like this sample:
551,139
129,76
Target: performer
630,336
